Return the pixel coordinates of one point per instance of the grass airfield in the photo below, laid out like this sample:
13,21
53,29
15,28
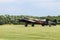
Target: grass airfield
19,32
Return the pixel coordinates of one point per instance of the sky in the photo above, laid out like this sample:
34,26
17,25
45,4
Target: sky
30,7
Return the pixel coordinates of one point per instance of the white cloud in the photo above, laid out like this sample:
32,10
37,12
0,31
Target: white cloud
34,0
31,6
39,2
3,1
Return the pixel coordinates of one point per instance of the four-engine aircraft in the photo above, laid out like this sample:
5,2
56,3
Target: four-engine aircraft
41,22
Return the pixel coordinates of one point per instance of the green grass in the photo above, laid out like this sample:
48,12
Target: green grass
19,32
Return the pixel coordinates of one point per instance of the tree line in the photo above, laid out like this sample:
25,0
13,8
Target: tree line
13,19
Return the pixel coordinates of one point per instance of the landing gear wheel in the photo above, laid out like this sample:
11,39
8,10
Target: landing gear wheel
33,25
26,24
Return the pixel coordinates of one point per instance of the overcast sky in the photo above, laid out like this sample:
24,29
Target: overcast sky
30,7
